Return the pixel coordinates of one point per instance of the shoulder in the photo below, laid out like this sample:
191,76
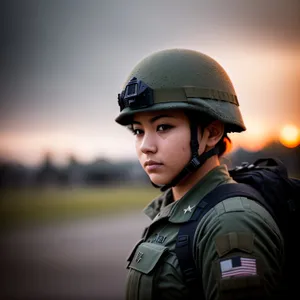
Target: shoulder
239,228
238,220
241,213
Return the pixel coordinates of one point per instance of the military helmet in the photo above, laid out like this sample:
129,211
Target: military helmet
180,79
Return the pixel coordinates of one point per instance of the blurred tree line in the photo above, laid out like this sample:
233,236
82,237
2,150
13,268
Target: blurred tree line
289,156
99,172
102,172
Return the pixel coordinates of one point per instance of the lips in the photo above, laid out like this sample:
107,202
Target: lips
152,165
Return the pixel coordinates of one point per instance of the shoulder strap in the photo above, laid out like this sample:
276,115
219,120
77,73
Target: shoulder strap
184,243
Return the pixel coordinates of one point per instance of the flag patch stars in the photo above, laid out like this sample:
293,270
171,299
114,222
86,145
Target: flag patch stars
238,266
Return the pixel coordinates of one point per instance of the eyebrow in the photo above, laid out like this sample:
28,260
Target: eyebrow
152,120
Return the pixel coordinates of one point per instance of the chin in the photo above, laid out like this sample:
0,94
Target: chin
158,180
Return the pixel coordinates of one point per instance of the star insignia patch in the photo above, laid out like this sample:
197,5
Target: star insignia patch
188,209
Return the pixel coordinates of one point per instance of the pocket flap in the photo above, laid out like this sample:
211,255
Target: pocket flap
146,257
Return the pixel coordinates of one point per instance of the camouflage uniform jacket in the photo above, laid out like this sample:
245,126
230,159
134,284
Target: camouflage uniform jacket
238,248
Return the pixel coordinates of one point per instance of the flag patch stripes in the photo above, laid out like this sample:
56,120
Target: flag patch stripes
238,266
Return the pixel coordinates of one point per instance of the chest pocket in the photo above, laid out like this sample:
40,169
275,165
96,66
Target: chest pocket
143,262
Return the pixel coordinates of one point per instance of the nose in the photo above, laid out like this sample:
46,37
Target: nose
148,143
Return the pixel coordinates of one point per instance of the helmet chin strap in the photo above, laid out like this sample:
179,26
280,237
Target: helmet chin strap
195,162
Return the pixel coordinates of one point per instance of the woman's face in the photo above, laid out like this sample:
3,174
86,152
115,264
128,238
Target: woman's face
162,141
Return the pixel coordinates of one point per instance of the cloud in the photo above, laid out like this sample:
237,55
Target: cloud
62,63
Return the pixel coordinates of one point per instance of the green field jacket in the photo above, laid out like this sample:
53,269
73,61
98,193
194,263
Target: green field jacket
238,248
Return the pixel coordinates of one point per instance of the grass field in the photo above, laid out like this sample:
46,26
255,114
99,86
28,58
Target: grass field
37,206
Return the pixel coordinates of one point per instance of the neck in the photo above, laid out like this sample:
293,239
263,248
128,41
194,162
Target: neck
187,183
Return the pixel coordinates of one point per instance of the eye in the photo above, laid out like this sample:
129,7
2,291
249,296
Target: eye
137,131
163,127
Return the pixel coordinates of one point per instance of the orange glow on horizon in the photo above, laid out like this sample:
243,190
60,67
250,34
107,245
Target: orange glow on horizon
255,138
290,136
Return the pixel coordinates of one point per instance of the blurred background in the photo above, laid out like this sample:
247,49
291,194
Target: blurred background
71,189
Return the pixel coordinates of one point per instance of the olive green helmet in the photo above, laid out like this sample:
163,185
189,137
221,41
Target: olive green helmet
180,79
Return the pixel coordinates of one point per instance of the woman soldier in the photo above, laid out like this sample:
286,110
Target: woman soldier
180,105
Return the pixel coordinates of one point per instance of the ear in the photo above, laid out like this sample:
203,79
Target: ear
215,131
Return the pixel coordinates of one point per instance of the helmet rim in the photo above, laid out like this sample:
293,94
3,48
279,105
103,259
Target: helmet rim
219,110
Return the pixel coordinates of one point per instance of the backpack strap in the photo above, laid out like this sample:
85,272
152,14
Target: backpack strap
185,238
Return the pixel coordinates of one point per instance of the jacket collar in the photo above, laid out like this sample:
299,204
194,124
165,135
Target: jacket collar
181,211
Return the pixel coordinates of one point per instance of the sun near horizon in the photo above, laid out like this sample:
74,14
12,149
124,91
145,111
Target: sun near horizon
290,136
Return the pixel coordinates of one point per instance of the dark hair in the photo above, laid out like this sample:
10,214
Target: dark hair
203,120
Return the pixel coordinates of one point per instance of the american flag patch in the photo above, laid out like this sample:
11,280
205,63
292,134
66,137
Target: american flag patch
238,266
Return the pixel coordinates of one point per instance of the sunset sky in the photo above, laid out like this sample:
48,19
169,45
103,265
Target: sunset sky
62,64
